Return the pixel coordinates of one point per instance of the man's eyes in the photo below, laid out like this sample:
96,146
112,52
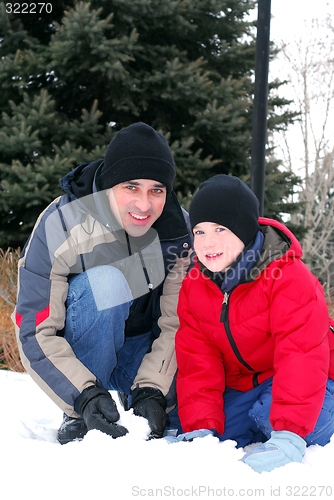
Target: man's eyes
155,190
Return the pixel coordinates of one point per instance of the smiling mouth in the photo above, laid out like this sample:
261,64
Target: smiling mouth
213,255
139,217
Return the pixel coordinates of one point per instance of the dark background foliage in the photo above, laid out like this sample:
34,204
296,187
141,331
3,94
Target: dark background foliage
72,78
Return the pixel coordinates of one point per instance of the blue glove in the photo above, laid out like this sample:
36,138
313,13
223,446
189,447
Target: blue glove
282,448
189,436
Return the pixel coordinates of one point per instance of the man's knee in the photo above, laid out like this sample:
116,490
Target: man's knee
109,287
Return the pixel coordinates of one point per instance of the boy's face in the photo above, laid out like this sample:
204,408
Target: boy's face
137,204
216,246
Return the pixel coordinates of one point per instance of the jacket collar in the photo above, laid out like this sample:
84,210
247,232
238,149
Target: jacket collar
277,244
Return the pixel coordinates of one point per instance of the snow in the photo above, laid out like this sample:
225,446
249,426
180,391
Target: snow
35,465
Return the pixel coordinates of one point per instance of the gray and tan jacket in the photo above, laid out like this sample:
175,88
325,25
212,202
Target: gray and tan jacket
75,232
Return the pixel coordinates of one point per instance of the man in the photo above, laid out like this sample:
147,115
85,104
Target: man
98,288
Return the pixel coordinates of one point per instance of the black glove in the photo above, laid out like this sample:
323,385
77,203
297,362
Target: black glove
99,411
150,403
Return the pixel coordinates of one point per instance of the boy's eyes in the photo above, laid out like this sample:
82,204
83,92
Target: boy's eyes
217,230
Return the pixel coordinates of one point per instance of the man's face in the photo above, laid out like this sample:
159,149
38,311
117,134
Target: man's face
216,246
137,204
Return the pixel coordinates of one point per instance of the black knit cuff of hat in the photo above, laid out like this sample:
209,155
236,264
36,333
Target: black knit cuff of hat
127,169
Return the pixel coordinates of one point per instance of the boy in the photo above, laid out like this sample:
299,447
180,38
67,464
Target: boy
253,347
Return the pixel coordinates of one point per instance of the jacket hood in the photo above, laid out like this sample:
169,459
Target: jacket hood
79,182
293,246
279,242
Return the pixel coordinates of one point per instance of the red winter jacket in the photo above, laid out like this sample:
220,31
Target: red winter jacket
276,324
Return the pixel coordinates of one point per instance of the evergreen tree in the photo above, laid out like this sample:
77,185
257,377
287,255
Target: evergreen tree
70,80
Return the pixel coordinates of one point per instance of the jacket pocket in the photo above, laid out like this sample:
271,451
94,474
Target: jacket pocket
169,362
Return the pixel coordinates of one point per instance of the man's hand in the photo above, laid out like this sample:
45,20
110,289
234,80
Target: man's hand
99,411
151,404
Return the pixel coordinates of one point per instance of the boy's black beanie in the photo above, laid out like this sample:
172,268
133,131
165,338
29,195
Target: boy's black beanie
137,152
227,201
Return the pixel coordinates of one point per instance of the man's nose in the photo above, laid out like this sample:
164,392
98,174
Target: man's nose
143,202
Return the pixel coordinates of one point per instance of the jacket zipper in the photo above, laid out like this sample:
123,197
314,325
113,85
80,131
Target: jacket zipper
224,307
224,319
149,284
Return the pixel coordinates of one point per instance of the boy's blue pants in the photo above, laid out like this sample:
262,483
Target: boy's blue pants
247,416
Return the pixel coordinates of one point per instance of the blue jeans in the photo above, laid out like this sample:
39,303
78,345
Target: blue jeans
97,307
247,416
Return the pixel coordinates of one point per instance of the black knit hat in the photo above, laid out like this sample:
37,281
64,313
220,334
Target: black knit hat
137,152
226,200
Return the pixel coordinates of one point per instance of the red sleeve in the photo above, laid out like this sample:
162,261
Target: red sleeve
201,376
299,321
